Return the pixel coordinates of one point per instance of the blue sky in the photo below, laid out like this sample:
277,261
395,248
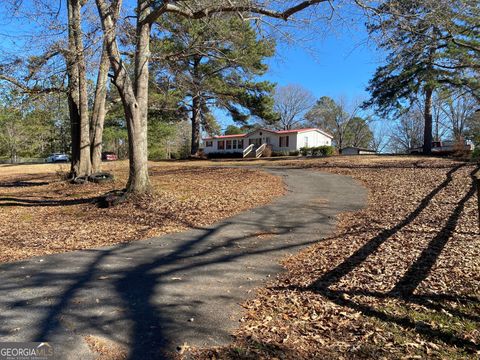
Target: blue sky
339,66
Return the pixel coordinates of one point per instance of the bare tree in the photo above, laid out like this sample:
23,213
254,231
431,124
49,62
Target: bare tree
381,136
77,94
133,90
99,111
407,132
291,103
75,60
457,109
341,120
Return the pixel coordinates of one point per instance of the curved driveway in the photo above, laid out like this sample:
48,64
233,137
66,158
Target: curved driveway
154,295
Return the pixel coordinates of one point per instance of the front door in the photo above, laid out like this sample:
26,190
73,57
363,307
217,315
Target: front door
256,142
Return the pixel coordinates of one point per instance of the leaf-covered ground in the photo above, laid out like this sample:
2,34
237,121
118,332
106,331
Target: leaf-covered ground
399,280
41,214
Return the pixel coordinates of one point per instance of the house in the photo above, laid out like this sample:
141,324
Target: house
352,150
254,143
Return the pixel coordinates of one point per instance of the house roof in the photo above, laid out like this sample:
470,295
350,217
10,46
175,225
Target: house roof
225,136
280,132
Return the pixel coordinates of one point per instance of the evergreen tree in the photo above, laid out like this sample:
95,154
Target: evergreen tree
233,130
214,63
419,50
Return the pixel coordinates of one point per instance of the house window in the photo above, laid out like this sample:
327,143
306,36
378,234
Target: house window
209,143
234,144
306,141
240,144
221,145
284,141
229,145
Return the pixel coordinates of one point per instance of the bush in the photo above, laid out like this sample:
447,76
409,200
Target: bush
223,155
305,151
279,153
327,150
318,151
286,153
476,154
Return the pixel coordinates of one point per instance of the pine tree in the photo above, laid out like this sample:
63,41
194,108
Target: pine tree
419,50
214,64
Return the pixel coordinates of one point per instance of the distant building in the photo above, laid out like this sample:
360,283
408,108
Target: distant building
351,150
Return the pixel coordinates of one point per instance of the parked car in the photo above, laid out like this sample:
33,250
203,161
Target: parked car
57,157
109,156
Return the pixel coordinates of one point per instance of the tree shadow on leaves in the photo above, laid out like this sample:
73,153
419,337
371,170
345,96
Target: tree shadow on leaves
418,271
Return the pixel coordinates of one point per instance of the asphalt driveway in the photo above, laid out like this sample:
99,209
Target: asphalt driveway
154,295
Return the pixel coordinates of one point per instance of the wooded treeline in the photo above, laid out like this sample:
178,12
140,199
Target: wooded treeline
129,77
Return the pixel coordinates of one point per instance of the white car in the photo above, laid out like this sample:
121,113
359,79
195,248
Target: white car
57,157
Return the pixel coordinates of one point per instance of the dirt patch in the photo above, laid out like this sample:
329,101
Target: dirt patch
41,214
399,280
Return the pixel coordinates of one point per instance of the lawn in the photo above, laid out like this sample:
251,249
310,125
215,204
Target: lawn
399,279
42,214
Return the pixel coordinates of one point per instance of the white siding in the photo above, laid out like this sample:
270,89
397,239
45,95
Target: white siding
313,138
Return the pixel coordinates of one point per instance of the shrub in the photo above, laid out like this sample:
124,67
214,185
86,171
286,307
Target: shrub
280,153
223,155
315,151
305,151
326,150
318,151
294,153
476,154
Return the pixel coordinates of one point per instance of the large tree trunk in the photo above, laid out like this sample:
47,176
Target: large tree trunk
73,93
427,135
134,96
78,99
99,111
139,182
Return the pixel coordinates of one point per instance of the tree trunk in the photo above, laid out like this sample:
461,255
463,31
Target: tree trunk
427,135
134,96
99,112
139,182
78,99
195,125
196,106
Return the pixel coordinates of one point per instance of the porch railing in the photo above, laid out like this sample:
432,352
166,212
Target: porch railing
248,150
259,151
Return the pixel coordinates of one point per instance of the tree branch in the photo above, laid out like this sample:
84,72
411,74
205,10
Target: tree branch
27,89
284,15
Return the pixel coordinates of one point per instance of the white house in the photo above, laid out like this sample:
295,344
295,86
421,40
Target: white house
254,143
